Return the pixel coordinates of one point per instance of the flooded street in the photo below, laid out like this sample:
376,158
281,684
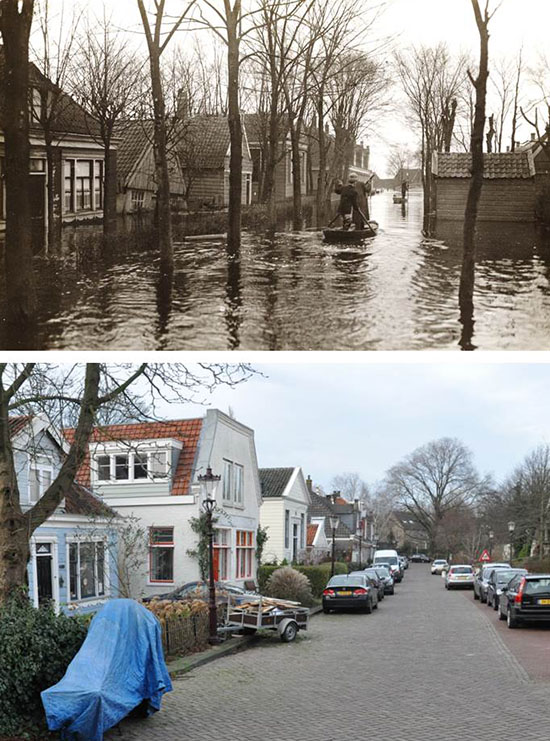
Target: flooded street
293,292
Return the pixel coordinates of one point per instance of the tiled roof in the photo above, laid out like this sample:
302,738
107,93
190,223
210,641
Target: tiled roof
16,424
311,533
186,431
321,507
502,165
133,138
205,140
81,501
274,480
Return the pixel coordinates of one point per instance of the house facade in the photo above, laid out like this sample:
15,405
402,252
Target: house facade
77,172
73,560
509,189
150,471
284,512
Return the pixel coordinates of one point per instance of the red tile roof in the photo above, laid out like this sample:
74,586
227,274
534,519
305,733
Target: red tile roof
16,424
311,533
500,165
186,431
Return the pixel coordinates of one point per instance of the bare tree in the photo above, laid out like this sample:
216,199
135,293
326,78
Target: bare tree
434,480
69,393
467,276
107,78
15,25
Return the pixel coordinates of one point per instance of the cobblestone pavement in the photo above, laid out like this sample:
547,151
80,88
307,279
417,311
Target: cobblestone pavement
426,666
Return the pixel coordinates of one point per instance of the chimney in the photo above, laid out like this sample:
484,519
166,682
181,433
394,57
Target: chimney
309,484
533,137
182,111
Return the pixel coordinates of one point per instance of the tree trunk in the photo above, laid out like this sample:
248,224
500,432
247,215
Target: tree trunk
19,284
164,216
466,292
320,197
297,213
235,130
50,192
109,191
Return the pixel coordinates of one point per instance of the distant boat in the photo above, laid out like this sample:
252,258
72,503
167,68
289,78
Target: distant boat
350,236
398,199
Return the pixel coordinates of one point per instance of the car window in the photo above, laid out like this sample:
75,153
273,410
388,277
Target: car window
502,577
347,580
537,586
461,569
514,583
383,572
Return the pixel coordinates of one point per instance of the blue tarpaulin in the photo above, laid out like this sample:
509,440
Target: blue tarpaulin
119,665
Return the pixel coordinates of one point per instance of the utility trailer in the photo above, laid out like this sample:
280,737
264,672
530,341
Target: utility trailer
268,613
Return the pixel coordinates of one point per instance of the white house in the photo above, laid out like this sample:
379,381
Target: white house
284,513
150,471
73,553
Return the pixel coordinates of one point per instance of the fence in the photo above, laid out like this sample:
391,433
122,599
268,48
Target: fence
185,634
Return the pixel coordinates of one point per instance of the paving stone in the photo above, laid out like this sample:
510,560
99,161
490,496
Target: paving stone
425,666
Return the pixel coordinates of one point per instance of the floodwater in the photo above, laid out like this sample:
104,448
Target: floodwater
293,292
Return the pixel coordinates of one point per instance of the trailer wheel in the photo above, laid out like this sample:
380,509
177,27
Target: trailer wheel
290,632
249,631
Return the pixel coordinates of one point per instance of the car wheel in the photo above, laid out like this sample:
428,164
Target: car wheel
392,590
501,615
511,620
488,602
476,595
375,607
495,604
368,608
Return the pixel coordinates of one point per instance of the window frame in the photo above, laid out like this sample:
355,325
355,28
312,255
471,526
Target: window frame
233,483
287,529
40,468
244,554
132,454
75,195
223,548
76,543
165,545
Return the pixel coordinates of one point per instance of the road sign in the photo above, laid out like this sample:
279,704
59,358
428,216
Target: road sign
485,556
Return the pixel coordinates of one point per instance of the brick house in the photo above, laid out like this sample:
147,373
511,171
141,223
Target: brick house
509,188
78,161
150,471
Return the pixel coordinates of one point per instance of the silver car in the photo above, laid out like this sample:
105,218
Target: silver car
461,575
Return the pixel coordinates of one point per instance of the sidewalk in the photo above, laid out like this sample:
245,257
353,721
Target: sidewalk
176,667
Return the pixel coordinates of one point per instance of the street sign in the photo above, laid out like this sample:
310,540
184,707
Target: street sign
484,556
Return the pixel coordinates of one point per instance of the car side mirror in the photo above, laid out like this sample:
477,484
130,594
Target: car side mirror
504,589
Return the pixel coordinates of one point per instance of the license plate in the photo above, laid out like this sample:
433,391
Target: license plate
462,577
544,601
344,594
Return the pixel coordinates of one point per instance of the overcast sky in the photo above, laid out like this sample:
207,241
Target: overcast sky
331,418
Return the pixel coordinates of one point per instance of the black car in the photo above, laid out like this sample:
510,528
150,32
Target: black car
499,578
375,580
387,579
526,599
352,591
420,558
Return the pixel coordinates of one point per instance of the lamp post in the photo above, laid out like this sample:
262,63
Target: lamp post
511,528
333,524
209,483
491,536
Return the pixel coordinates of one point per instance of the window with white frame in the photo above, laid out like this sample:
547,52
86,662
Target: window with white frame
40,478
287,528
35,105
138,199
86,570
131,466
222,547
161,554
82,185
233,482
244,553
302,531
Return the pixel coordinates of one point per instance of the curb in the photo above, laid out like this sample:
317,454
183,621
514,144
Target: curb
239,643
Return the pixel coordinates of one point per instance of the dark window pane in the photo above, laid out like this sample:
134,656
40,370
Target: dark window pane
121,467
73,570
100,552
140,466
162,535
87,576
104,468
162,560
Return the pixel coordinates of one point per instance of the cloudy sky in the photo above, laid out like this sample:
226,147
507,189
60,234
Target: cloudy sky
333,417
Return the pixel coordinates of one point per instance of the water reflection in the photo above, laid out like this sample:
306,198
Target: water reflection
291,291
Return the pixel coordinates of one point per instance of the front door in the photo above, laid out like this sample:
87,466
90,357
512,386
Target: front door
44,572
38,210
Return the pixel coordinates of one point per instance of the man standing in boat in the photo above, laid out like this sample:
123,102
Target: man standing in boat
361,213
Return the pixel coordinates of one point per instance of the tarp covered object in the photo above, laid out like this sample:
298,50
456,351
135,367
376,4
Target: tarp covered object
119,665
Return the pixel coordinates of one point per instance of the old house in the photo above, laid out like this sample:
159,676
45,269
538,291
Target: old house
509,187
73,560
150,471
284,511
404,532
76,177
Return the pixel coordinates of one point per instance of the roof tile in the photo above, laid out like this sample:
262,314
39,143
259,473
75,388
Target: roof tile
501,165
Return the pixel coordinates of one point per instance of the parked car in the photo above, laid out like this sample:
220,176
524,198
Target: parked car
375,580
461,575
350,591
391,558
200,590
482,577
439,565
420,558
387,578
404,562
498,579
525,599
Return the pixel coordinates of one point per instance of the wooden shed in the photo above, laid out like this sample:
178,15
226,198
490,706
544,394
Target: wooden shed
509,189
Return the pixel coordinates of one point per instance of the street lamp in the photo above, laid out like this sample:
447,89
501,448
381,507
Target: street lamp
333,524
491,536
511,528
208,484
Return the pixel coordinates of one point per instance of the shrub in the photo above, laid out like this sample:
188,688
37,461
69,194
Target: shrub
318,575
37,646
287,583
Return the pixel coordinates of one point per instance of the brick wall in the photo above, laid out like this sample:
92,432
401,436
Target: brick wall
501,200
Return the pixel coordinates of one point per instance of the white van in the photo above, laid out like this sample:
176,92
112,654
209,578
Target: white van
390,557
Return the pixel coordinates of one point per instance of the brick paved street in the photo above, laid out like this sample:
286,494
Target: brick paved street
428,665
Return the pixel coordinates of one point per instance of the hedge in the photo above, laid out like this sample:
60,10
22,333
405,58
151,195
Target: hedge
36,647
318,575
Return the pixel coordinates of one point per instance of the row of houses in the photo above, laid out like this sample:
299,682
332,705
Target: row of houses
141,481
198,158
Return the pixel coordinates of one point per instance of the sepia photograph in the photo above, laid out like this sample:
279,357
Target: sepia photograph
274,175
274,550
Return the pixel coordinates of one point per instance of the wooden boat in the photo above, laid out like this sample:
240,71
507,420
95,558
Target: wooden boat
350,236
397,198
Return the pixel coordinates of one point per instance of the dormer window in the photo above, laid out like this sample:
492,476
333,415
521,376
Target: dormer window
40,479
36,105
131,465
